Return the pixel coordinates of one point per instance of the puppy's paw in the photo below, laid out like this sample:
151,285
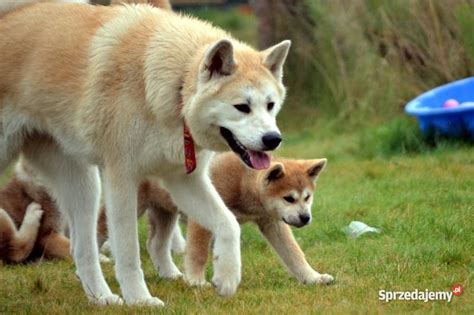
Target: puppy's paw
151,301
111,299
314,277
33,213
325,279
197,281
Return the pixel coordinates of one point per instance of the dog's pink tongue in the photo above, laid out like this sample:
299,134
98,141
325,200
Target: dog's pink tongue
260,160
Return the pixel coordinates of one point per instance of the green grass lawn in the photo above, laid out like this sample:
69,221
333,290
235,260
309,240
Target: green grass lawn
421,193
424,203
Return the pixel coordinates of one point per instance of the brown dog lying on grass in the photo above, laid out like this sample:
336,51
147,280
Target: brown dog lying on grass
29,221
273,199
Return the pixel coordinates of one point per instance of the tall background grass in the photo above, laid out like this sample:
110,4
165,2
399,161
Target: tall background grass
366,58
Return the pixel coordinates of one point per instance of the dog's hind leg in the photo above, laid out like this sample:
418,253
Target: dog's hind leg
121,206
76,187
196,254
161,227
196,196
24,239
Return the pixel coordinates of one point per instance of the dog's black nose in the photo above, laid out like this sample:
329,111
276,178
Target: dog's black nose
271,140
304,218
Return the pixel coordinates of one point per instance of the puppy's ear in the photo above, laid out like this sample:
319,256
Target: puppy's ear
275,172
274,58
219,60
315,167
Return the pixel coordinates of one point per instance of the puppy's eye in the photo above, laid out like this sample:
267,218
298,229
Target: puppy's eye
289,199
270,106
307,198
244,108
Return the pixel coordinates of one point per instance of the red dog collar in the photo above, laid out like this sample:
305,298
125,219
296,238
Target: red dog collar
189,153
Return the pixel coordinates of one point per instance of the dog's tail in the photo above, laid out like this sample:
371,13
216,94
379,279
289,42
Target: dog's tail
9,6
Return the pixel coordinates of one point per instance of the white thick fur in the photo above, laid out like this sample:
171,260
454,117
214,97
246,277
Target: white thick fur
97,125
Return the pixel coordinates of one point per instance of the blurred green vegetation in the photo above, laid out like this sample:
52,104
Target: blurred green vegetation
367,59
238,22
372,56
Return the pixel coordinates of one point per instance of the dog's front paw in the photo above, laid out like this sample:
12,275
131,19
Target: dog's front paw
325,279
111,299
316,278
227,264
225,287
151,301
226,282
226,277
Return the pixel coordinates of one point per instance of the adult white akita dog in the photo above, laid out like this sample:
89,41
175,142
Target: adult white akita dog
139,92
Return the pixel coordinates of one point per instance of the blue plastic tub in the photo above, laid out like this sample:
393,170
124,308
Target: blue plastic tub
451,122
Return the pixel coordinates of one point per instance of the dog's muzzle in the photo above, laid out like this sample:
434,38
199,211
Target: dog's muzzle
258,160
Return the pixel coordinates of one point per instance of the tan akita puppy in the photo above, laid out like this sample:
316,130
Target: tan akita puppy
273,199
141,92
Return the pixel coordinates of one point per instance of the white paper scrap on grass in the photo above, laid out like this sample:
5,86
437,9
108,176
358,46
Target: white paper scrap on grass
357,228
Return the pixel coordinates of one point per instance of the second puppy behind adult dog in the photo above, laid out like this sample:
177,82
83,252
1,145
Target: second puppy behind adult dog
29,220
272,199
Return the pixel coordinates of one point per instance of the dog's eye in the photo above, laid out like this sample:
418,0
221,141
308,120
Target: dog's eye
270,106
307,198
289,199
244,108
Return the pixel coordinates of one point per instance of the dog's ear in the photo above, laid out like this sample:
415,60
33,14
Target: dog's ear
275,56
275,172
314,167
219,59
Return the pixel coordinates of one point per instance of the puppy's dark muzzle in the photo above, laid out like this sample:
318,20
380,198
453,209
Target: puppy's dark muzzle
304,218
